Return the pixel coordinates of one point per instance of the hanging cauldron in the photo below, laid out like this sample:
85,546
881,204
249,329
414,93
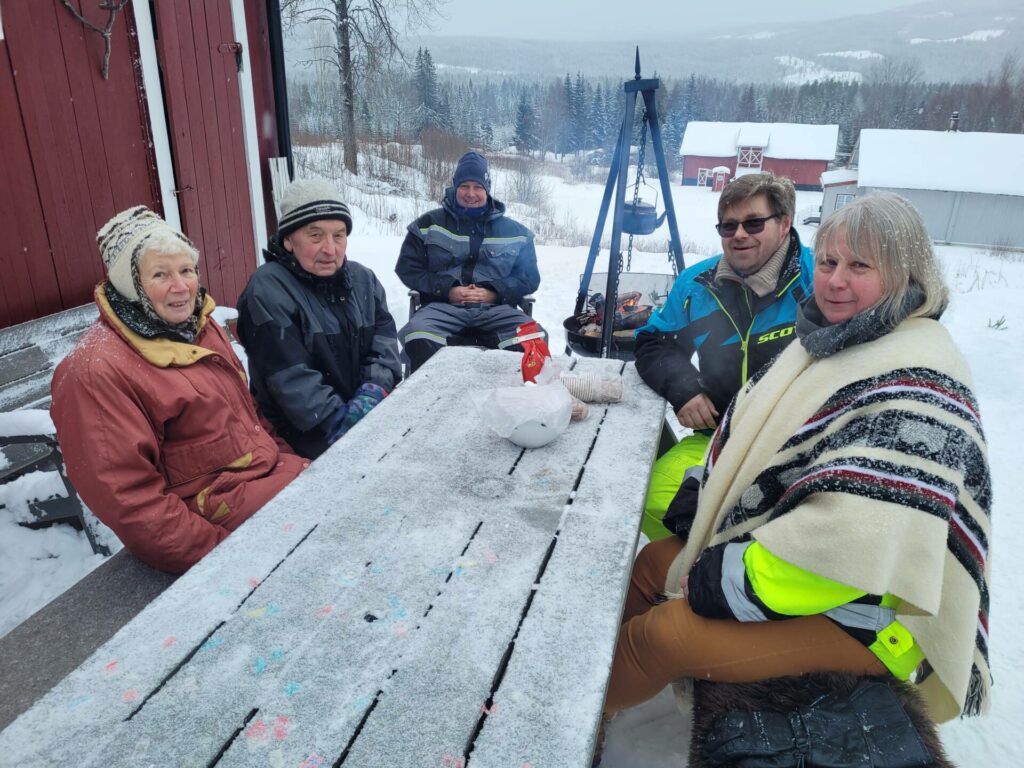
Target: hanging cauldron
640,218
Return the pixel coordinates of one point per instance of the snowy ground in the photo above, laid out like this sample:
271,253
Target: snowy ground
986,316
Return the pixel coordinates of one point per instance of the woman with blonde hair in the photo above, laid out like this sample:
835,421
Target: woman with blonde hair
843,519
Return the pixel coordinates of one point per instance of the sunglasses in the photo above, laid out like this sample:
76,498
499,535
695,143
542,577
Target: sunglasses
750,226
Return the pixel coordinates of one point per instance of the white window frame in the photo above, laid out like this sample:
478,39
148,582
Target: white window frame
750,157
843,198
703,174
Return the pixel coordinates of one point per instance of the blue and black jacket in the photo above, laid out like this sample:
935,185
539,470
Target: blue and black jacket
734,331
445,248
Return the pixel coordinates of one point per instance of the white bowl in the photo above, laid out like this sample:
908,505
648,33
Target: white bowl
533,434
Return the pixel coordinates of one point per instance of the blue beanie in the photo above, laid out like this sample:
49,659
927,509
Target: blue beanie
472,166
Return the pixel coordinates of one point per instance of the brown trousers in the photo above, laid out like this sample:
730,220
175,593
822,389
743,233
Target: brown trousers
661,642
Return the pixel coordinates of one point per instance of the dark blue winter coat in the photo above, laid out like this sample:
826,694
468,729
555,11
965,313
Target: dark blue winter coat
445,248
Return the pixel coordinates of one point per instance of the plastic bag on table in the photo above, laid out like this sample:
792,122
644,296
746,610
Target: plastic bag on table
528,416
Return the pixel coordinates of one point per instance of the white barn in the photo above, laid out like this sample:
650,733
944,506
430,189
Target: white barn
969,187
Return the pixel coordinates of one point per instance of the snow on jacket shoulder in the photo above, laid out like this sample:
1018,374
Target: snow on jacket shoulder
162,439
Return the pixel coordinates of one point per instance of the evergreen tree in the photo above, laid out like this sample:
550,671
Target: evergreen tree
614,109
553,119
596,125
578,114
670,116
525,137
565,135
747,112
428,102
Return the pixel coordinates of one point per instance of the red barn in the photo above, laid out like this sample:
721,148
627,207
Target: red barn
798,152
185,122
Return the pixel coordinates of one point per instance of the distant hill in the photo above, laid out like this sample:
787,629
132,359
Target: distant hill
949,39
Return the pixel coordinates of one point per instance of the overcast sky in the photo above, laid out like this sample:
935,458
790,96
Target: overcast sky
629,19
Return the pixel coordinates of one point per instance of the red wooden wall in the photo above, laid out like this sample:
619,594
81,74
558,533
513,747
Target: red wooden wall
74,150
805,174
205,118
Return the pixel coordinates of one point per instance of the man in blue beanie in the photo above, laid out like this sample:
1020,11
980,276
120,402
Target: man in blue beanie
472,266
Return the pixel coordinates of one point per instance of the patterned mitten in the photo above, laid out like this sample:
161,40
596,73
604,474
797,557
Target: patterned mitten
366,397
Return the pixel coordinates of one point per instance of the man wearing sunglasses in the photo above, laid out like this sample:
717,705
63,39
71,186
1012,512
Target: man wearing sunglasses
736,310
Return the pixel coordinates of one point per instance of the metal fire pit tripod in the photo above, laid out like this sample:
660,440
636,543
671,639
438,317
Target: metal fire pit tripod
634,218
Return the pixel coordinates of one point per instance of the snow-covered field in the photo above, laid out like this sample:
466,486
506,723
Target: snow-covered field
986,316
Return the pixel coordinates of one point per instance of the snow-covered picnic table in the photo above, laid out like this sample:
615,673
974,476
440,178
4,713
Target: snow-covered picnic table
427,593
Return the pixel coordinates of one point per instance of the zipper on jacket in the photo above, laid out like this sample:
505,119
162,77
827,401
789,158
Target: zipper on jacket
744,337
476,240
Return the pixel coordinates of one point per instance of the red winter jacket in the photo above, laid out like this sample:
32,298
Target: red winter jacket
162,439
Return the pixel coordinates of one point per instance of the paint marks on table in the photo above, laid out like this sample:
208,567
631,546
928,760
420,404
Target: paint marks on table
262,730
261,663
268,610
212,643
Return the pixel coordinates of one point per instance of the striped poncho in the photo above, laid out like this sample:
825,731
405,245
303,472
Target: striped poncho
868,467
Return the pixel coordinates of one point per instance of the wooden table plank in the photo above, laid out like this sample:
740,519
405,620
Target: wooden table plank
568,638
434,705
264,654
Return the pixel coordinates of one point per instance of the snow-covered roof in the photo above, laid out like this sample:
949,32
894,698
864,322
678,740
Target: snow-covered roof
838,176
754,135
792,141
952,161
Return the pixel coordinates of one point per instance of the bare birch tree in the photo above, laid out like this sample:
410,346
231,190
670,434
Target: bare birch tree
365,38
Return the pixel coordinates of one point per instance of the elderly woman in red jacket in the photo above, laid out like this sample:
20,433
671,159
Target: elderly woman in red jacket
159,433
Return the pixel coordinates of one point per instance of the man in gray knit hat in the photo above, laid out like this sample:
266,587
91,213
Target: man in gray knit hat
315,325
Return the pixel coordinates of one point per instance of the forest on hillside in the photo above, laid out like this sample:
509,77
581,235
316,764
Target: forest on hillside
580,114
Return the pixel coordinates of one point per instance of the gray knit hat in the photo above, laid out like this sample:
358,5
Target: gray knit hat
307,200
121,242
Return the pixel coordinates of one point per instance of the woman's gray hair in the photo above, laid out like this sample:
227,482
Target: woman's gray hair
167,242
886,230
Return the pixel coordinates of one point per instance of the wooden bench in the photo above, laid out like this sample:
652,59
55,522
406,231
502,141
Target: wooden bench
38,653
426,593
28,354
30,351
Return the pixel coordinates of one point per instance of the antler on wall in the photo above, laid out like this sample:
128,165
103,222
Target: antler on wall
112,7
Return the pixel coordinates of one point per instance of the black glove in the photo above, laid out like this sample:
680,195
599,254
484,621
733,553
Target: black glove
683,508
